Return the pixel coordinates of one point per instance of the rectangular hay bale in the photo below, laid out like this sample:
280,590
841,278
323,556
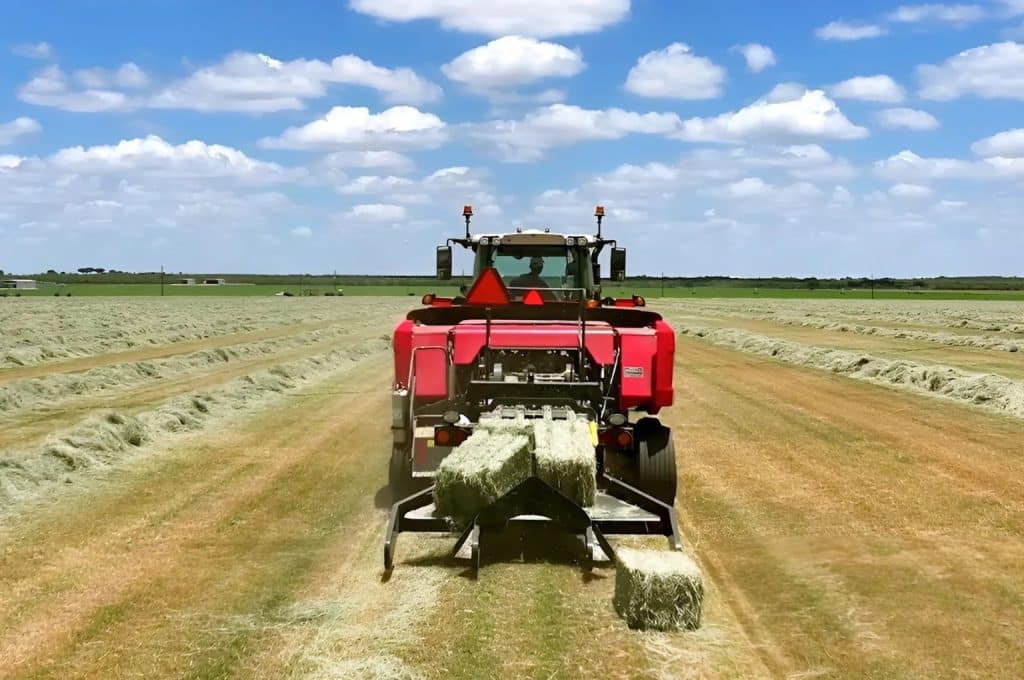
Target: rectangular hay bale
658,589
565,456
479,471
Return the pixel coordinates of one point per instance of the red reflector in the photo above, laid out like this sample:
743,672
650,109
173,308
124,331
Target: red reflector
625,302
623,439
442,437
488,289
533,297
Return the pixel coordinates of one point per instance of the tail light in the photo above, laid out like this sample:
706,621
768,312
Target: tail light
618,438
446,435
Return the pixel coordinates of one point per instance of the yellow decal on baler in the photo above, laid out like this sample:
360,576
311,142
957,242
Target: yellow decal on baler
593,433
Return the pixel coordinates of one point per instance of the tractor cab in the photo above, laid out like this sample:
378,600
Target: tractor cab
561,267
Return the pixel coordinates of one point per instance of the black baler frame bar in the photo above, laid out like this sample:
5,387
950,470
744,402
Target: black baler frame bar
535,497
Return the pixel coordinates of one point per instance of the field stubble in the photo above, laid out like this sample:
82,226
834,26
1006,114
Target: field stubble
844,528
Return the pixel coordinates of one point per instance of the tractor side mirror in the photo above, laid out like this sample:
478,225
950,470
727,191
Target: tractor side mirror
444,263
618,264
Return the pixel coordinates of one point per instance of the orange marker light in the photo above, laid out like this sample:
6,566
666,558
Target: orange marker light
599,211
467,211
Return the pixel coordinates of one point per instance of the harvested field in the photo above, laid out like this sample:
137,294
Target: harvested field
844,528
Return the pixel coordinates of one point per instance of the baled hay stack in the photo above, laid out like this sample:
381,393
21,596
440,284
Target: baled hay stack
479,471
565,458
658,589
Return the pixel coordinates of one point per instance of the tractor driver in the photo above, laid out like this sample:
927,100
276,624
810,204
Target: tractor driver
532,279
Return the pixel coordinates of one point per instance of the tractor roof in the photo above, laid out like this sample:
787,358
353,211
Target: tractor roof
533,237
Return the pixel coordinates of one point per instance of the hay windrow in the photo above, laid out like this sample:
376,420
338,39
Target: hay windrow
111,439
481,470
658,589
38,330
994,392
20,395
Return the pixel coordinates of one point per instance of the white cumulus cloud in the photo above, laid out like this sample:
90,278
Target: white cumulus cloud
1009,143
366,160
910,191
537,18
990,71
559,125
18,128
152,155
677,73
512,61
52,87
811,116
907,119
400,127
39,50
376,212
949,14
845,31
878,88
759,57
245,81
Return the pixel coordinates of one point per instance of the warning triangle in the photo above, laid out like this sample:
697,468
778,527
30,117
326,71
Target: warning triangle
533,297
488,290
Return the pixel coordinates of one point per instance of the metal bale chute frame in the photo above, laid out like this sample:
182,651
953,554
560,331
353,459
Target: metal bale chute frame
619,509
542,320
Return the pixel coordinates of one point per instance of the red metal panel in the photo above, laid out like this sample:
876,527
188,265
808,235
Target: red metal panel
430,366
402,347
470,337
639,346
664,365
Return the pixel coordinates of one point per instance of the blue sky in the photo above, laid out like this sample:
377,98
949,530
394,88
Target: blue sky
732,137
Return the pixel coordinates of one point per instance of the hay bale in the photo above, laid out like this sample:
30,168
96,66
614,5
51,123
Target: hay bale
482,469
565,458
658,589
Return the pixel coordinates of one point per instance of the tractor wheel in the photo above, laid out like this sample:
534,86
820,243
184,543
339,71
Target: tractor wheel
400,472
656,460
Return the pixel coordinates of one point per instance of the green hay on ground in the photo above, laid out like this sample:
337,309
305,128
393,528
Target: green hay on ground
482,469
658,590
565,458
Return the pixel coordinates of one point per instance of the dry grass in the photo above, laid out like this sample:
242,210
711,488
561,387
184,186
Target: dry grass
45,330
990,391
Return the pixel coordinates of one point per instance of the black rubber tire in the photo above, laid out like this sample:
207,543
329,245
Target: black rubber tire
400,473
656,460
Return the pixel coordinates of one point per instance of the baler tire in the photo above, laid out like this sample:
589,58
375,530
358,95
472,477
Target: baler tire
656,460
400,473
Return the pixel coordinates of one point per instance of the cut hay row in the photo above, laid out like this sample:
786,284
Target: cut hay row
989,316
994,392
40,330
111,439
1001,344
20,395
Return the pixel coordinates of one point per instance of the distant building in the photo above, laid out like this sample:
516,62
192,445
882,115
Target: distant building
22,284
215,282
186,282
